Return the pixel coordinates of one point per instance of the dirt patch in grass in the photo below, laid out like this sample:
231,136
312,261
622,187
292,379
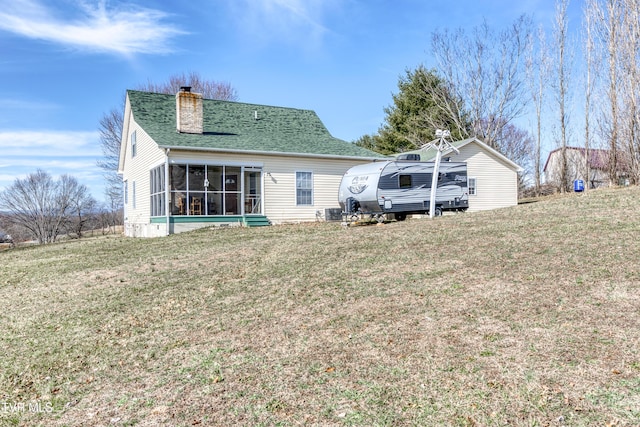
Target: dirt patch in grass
522,316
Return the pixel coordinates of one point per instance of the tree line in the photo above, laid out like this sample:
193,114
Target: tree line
42,208
486,78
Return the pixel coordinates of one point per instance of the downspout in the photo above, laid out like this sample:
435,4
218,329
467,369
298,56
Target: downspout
167,195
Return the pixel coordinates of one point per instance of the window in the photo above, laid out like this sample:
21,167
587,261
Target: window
471,183
304,188
405,181
134,147
157,185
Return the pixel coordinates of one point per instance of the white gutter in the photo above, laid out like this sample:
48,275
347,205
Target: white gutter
271,153
167,193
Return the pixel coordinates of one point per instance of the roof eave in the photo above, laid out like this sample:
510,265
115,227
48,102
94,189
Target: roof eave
495,152
270,153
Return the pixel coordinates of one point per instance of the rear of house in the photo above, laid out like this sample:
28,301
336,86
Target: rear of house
188,162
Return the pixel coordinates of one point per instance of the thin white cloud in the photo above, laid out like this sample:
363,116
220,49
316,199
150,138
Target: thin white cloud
125,30
92,178
9,178
56,152
291,21
47,163
49,143
18,104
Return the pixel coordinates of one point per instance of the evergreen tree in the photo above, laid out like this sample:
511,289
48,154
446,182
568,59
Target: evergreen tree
416,113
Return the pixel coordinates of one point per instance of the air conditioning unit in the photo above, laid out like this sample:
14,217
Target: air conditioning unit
333,214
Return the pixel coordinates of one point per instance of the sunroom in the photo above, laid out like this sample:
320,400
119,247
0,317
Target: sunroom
223,193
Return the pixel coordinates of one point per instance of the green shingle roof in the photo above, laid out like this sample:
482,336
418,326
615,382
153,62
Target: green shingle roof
232,126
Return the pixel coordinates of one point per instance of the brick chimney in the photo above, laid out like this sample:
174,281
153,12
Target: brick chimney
188,111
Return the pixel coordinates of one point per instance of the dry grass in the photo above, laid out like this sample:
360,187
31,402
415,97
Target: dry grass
527,316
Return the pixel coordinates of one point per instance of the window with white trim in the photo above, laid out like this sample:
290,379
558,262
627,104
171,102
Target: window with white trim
157,181
472,185
304,188
134,145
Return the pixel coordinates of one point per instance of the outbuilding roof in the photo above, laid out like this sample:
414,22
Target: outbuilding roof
598,158
241,127
429,154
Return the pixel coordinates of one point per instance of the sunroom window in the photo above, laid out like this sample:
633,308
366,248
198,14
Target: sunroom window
157,191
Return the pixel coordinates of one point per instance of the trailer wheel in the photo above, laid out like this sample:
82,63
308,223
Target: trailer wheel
437,211
401,216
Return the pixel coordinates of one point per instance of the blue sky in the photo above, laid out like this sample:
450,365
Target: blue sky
65,63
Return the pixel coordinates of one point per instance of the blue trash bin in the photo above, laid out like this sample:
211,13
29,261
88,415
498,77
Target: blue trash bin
578,185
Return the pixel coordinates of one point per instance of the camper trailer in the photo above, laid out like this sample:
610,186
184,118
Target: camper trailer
402,187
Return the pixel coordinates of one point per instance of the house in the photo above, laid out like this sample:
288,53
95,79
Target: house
188,162
492,178
576,167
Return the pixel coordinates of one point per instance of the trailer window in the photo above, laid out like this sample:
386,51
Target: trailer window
405,181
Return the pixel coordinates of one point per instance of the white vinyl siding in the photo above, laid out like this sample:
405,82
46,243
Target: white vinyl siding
496,182
137,170
279,177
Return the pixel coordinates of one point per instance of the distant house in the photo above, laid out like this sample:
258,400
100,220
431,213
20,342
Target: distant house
576,167
491,177
188,162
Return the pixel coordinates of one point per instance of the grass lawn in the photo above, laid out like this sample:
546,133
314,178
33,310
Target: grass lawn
527,316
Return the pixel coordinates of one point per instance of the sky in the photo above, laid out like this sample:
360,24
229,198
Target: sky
66,63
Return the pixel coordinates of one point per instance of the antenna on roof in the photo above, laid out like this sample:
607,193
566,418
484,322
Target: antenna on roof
440,144
255,114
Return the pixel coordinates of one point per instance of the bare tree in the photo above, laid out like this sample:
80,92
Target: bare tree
448,111
82,206
613,12
517,145
110,134
562,74
484,70
629,68
537,71
42,206
616,39
210,89
111,124
589,85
